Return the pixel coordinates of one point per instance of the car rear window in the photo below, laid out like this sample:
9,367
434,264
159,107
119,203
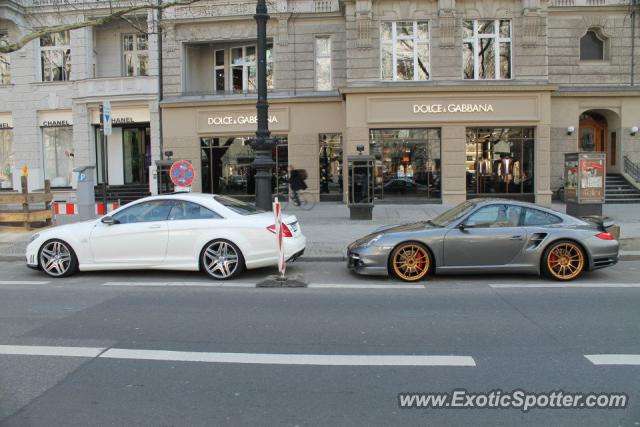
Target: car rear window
238,206
536,217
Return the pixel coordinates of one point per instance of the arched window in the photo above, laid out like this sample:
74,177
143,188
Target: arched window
592,46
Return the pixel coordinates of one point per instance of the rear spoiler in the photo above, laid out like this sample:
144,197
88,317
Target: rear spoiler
604,224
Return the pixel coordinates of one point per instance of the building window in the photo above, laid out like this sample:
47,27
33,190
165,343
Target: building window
499,161
592,46
404,50
55,57
58,155
487,49
407,162
323,63
219,70
5,62
243,69
136,55
6,158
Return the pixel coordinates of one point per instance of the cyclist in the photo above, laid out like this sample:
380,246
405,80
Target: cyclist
297,179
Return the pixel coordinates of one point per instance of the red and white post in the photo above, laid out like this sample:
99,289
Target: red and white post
277,210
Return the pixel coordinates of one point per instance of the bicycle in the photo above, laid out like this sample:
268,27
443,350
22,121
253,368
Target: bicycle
307,201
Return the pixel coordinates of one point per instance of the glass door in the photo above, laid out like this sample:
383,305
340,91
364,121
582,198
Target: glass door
137,155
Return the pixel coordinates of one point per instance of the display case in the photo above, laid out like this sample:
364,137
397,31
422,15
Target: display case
361,186
584,182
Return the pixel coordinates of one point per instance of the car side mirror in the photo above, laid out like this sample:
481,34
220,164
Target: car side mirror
467,224
109,220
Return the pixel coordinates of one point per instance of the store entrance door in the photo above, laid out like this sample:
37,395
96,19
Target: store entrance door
593,132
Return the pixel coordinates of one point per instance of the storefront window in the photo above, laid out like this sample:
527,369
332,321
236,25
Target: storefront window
6,158
227,166
58,155
486,49
407,162
55,57
500,161
331,163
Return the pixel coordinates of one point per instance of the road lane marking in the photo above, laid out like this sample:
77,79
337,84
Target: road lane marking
614,359
289,359
24,282
34,350
183,284
564,285
361,286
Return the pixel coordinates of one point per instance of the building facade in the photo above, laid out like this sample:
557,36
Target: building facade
51,92
455,99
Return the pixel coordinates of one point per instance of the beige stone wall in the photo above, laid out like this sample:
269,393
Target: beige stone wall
565,31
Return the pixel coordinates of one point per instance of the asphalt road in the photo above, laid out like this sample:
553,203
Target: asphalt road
338,353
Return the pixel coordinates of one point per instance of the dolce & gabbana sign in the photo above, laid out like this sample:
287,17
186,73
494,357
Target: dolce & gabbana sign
241,120
452,108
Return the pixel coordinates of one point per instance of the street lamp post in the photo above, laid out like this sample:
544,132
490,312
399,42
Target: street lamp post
263,142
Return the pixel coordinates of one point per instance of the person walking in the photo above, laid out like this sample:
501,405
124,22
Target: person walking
297,178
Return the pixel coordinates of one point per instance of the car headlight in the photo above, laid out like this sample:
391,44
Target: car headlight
372,241
34,237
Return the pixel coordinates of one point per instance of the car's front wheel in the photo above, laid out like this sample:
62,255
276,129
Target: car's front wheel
57,259
411,261
222,260
563,260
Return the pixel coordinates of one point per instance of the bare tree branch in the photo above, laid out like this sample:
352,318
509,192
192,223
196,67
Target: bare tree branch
7,46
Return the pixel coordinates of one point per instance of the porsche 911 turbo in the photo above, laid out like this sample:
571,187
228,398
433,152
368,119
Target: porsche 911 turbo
488,235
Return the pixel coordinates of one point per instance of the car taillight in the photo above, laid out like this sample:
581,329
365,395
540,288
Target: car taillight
605,236
285,230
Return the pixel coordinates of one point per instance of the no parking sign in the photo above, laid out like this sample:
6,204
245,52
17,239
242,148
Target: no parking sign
182,174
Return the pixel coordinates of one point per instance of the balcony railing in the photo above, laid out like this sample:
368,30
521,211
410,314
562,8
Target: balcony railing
117,86
590,3
632,169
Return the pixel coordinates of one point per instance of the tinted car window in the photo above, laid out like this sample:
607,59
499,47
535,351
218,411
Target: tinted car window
496,216
237,206
536,217
155,210
186,210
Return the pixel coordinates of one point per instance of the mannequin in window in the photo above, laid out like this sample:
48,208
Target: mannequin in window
483,170
505,171
517,173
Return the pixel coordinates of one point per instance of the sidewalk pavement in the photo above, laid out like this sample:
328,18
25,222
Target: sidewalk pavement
329,230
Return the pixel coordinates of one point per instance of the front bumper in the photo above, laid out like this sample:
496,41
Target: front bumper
32,254
369,260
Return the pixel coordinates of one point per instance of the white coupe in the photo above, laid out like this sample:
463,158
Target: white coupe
182,231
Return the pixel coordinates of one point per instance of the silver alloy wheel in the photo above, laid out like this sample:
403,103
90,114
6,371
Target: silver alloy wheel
55,258
220,260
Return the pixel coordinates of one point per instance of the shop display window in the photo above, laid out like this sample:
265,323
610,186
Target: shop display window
227,166
500,161
407,162
6,159
58,155
331,163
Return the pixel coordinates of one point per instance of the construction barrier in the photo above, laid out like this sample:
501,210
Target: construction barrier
70,208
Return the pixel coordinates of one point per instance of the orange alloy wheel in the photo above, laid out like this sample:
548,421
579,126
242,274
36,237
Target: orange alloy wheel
411,262
565,261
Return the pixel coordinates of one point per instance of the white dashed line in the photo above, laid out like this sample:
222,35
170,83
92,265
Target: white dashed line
576,285
23,282
614,359
33,350
183,284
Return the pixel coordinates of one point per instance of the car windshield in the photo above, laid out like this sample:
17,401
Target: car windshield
237,206
452,214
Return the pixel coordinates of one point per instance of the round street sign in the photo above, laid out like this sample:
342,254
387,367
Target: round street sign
182,173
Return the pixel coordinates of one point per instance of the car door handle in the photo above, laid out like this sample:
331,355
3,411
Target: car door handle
517,237
154,226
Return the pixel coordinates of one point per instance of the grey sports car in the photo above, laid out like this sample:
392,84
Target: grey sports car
488,235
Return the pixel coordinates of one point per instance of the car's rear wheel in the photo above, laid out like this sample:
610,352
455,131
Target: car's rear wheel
222,260
57,259
411,261
563,260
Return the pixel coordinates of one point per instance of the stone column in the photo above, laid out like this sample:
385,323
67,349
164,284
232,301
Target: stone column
452,168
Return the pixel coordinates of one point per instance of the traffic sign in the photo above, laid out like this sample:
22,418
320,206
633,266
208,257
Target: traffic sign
182,173
106,111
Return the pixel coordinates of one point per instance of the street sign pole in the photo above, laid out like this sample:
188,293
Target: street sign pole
103,144
277,211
